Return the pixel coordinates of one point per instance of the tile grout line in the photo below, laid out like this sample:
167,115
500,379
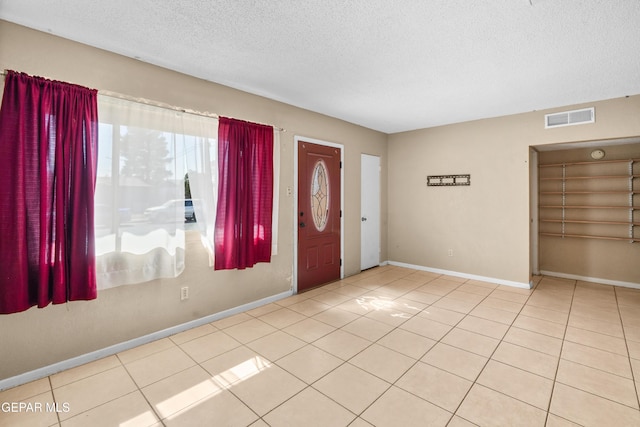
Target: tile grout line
54,398
412,365
626,344
199,364
628,357
307,386
475,381
559,358
554,380
555,377
452,328
139,389
454,413
358,415
343,362
86,377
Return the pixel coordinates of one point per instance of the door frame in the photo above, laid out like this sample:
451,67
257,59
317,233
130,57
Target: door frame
296,140
534,247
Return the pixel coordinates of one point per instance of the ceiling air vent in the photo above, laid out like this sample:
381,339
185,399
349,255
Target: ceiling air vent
569,118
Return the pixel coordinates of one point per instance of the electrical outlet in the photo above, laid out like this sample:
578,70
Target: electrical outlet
450,252
184,293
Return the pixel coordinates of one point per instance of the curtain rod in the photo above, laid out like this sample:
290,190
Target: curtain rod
157,104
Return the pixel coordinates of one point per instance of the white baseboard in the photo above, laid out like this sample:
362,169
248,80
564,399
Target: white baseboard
591,279
522,285
117,348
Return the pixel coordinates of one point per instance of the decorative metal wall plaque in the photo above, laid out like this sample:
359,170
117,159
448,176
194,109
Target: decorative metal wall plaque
448,180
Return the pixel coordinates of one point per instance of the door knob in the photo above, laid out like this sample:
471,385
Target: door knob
302,225
364,218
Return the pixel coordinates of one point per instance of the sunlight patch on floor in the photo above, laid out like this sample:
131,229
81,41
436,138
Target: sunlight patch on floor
208,389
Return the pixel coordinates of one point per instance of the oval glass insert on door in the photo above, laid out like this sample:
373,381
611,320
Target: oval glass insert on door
320,195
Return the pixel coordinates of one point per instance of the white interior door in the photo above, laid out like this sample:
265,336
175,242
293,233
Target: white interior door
369,211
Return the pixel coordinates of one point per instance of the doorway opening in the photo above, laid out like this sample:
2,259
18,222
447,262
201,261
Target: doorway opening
585,210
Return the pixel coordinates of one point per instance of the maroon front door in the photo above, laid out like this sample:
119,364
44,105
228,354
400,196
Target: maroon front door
318,215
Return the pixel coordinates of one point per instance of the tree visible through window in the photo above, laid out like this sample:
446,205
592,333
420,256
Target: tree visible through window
146,155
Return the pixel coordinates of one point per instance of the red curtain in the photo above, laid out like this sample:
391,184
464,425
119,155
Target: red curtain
242,234
48,148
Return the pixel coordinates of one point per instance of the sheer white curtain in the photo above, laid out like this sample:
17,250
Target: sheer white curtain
201,157
145,153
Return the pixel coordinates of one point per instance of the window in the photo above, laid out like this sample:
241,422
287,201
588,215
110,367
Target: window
145,156
156,174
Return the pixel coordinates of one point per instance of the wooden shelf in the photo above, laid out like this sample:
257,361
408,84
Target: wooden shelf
602,190
628,192
593,163
567,178
588,207
585,236
577,221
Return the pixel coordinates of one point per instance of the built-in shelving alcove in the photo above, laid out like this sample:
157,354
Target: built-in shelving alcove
586,210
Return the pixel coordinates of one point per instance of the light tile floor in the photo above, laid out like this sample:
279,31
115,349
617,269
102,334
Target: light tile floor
388,347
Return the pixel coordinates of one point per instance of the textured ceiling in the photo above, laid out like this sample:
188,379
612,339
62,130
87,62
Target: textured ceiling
391,65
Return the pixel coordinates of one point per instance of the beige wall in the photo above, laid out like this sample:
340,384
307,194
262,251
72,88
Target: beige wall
617,261
39,337
488,223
